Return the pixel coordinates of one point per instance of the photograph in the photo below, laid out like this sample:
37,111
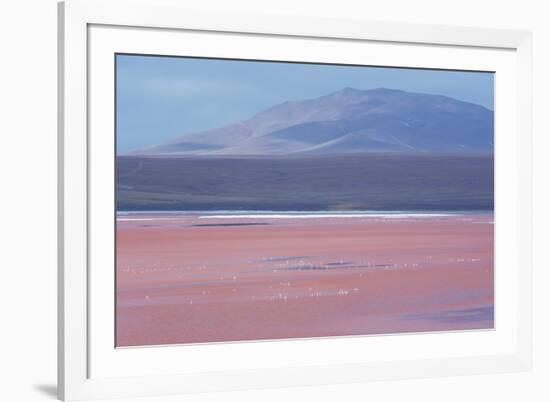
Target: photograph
270,200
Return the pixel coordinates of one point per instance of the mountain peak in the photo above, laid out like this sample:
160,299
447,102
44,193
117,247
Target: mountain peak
387,91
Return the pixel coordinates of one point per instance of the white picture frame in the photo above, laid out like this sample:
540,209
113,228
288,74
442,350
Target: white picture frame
90,368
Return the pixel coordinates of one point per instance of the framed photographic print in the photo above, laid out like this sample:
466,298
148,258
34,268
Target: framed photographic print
259,201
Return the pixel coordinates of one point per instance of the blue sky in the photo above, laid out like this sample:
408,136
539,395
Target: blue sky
159,98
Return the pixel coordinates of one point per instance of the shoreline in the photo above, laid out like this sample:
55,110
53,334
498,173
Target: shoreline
295,213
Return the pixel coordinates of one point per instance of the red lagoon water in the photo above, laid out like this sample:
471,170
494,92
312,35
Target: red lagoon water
189,279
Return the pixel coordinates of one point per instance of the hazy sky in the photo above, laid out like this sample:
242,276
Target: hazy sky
159,98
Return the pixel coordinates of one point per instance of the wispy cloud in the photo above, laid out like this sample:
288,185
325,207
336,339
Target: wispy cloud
192,88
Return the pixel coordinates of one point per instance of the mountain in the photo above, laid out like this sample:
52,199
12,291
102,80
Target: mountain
348,121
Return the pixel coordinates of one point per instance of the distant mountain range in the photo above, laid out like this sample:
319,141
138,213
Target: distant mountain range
347,121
